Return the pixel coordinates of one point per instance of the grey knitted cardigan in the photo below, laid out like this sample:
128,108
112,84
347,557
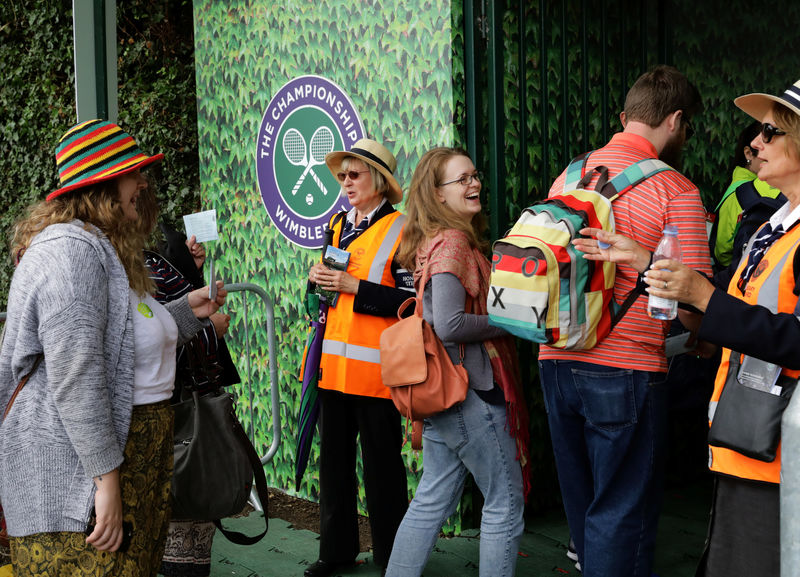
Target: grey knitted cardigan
69,299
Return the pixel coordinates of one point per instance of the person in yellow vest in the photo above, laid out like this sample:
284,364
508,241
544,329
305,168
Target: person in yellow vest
751,310
353,399
746,204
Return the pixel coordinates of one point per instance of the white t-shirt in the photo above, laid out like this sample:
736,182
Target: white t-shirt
155,336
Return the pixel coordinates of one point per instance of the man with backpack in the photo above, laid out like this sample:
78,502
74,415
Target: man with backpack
606,406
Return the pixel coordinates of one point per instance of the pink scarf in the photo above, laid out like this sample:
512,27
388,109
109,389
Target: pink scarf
450,251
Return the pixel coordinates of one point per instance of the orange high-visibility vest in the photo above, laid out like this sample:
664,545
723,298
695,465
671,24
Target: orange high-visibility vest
351,361
772,286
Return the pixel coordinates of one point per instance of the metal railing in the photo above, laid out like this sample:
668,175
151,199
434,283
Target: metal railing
273,365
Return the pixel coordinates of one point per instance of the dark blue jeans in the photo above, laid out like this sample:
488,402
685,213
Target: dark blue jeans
608,427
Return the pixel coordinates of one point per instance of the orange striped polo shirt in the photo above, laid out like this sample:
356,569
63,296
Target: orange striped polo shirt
637,342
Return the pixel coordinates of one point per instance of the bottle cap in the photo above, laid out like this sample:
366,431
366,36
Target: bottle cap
671,230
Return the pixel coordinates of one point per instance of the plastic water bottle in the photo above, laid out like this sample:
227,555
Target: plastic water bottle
668,247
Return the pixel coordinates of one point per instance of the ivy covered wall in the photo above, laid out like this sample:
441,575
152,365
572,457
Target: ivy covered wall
412,100
156,92
394,62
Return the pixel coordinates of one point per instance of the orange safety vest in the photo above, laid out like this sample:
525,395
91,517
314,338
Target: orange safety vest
772,286
351,360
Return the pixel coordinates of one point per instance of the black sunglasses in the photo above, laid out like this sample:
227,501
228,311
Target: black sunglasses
768,131
353,174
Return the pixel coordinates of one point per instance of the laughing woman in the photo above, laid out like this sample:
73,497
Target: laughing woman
486,435
86,445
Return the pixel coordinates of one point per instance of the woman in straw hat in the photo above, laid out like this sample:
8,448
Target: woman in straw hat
86,444
487,434
354,401
751,310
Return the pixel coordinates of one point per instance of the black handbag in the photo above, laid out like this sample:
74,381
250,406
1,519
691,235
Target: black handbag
214,461
748,420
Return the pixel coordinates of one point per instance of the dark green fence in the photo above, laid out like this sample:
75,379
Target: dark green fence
546,81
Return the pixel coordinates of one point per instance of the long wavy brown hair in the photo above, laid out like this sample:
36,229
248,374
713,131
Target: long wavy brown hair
96,205
426,215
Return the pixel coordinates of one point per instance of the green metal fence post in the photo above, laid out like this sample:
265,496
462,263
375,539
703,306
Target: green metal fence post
497,177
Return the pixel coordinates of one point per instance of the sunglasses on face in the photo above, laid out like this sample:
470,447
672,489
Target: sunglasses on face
768,131
353,174
466,179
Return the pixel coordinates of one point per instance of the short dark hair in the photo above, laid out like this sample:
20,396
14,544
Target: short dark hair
746,136
660,92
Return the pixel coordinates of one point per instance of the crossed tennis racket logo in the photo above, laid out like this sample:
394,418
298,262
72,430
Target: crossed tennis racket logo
296,152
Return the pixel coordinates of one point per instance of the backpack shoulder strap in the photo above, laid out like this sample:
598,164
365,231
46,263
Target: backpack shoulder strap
633,175
575,171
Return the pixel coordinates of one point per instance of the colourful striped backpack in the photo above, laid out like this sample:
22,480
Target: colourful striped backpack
542,289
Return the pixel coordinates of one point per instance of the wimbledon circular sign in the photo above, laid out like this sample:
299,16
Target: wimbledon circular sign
306,119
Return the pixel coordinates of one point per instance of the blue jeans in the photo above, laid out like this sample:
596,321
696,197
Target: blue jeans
470,437
608,426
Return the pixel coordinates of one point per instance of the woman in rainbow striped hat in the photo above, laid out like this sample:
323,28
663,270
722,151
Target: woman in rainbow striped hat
86,371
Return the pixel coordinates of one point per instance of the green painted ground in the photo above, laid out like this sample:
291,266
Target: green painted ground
285,552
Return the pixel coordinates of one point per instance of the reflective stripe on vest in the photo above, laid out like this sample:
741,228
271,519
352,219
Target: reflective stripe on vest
351,347
771,286
354,352
385,250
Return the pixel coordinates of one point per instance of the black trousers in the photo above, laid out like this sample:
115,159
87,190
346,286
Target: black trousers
376,423
744,531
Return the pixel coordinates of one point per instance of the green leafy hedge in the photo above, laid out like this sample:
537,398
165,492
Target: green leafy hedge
407,62
157,101
394,61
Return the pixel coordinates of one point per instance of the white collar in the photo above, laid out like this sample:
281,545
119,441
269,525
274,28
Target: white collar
785,216
351,214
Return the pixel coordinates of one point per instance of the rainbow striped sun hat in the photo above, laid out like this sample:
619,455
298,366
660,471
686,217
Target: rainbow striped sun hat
94,151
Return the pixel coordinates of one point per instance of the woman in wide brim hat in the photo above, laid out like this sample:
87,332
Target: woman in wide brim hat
751,311
374,155
86,445
363,301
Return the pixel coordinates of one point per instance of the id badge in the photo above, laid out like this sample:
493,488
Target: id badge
760,375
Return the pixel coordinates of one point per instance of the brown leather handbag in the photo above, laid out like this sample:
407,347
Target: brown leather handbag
415,366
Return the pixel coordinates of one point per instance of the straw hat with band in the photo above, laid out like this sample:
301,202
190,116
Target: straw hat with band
95,151
758,104
374,154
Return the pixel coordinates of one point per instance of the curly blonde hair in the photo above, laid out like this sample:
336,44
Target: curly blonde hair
96,205
426,215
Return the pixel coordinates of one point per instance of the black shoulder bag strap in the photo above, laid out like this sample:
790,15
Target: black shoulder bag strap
261,490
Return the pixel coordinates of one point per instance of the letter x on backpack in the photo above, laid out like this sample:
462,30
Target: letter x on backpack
541,288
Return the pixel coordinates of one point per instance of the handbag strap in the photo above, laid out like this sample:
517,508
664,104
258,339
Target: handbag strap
261,490
20,386
418,309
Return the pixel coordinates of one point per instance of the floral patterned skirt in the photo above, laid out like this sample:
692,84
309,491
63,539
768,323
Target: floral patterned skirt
145,478
188,551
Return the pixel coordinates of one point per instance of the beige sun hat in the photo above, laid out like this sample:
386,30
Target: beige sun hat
372,153
758,104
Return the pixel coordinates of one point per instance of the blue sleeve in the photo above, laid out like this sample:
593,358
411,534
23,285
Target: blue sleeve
753,329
